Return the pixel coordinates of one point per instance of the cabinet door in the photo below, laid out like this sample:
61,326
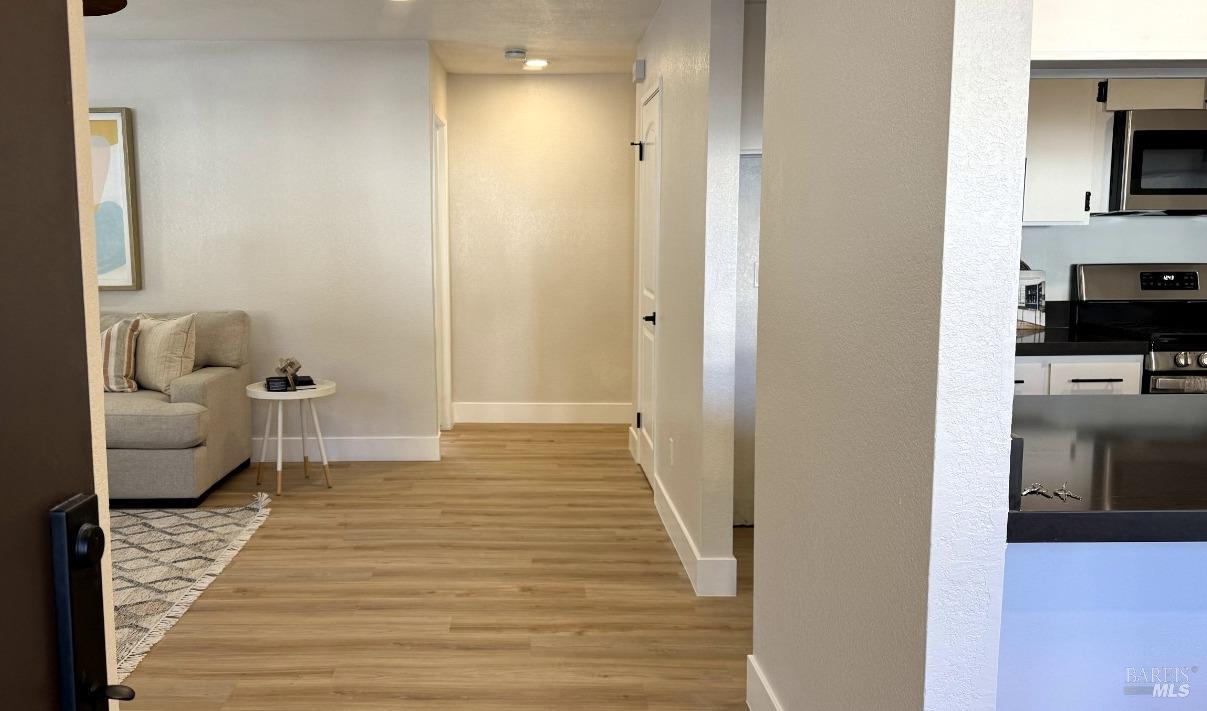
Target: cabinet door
1030,379
1060,150
1095,379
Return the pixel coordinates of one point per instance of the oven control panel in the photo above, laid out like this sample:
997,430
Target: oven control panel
1169,281
1166,362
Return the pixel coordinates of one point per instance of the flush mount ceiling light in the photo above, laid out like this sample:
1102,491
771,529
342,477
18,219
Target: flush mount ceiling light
535,65
515,54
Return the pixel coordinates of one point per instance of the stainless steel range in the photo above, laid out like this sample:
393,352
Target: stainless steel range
1176,365
1164,305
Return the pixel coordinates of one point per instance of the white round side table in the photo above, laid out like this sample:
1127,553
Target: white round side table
305,398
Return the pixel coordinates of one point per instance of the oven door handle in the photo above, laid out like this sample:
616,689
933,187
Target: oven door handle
1096,380
1178,385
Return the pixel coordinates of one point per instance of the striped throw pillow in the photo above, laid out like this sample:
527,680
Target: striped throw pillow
117,356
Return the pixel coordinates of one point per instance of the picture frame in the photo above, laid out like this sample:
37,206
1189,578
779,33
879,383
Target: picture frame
115,197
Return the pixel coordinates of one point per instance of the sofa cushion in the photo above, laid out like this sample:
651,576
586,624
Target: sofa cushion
149,420
166,351
222,336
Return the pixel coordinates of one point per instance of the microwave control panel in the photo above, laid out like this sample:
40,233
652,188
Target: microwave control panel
1169,281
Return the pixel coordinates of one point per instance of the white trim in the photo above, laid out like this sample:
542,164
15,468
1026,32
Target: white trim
711,576
759,696
442,300
634,445
360,449
544,412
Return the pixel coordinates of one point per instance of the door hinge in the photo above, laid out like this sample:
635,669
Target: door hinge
1087,200
638,420
640,149
1102,89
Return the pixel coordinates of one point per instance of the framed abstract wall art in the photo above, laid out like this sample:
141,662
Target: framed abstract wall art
115,194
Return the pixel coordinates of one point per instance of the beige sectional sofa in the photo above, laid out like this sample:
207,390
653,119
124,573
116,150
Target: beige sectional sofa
171,449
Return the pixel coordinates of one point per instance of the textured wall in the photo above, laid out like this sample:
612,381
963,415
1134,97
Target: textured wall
292,179
697,56
860,411
975,392
541,197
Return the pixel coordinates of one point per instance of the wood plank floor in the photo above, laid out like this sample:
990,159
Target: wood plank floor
528,570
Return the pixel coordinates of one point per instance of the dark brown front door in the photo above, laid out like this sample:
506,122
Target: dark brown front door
45,430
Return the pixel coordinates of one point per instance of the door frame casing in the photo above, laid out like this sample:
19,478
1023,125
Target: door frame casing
442,301
649,464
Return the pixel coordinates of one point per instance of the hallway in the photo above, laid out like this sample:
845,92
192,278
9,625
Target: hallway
528,570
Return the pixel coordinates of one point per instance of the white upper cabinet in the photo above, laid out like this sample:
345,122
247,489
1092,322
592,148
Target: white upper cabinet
1060,150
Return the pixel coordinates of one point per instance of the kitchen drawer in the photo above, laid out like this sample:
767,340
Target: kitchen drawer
1030,378
1095,378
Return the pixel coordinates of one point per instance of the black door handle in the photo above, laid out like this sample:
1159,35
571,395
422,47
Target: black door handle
116,692
652,319
1096,380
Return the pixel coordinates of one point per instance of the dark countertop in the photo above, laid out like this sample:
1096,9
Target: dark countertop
1106,526
1063,342
1139,463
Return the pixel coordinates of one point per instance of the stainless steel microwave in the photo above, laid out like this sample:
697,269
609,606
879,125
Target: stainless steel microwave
1160,160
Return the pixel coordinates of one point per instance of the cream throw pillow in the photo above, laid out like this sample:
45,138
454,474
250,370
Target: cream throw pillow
166,350
117,356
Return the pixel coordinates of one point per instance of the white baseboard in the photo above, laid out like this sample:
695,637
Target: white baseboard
544,412
713,576
354,449
759,696
633,444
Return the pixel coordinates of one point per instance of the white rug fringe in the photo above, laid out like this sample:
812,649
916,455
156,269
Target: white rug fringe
153,637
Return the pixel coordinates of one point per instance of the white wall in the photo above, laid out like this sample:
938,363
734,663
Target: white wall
292,180
541,190
1120,30
695,49
1109,239
883,422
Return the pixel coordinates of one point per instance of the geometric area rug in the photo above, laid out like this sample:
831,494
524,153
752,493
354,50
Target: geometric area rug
163,559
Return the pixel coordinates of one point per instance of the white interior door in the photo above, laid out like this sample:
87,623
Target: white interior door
648,193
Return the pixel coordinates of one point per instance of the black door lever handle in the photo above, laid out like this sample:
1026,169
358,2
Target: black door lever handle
116,692
652,319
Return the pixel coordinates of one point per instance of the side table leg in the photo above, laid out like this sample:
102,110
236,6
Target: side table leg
302,420
264,444
280,432
318,432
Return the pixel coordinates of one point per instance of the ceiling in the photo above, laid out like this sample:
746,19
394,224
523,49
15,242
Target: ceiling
469,36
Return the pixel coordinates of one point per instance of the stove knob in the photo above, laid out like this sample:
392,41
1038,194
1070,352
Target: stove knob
1182,360
1203,360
